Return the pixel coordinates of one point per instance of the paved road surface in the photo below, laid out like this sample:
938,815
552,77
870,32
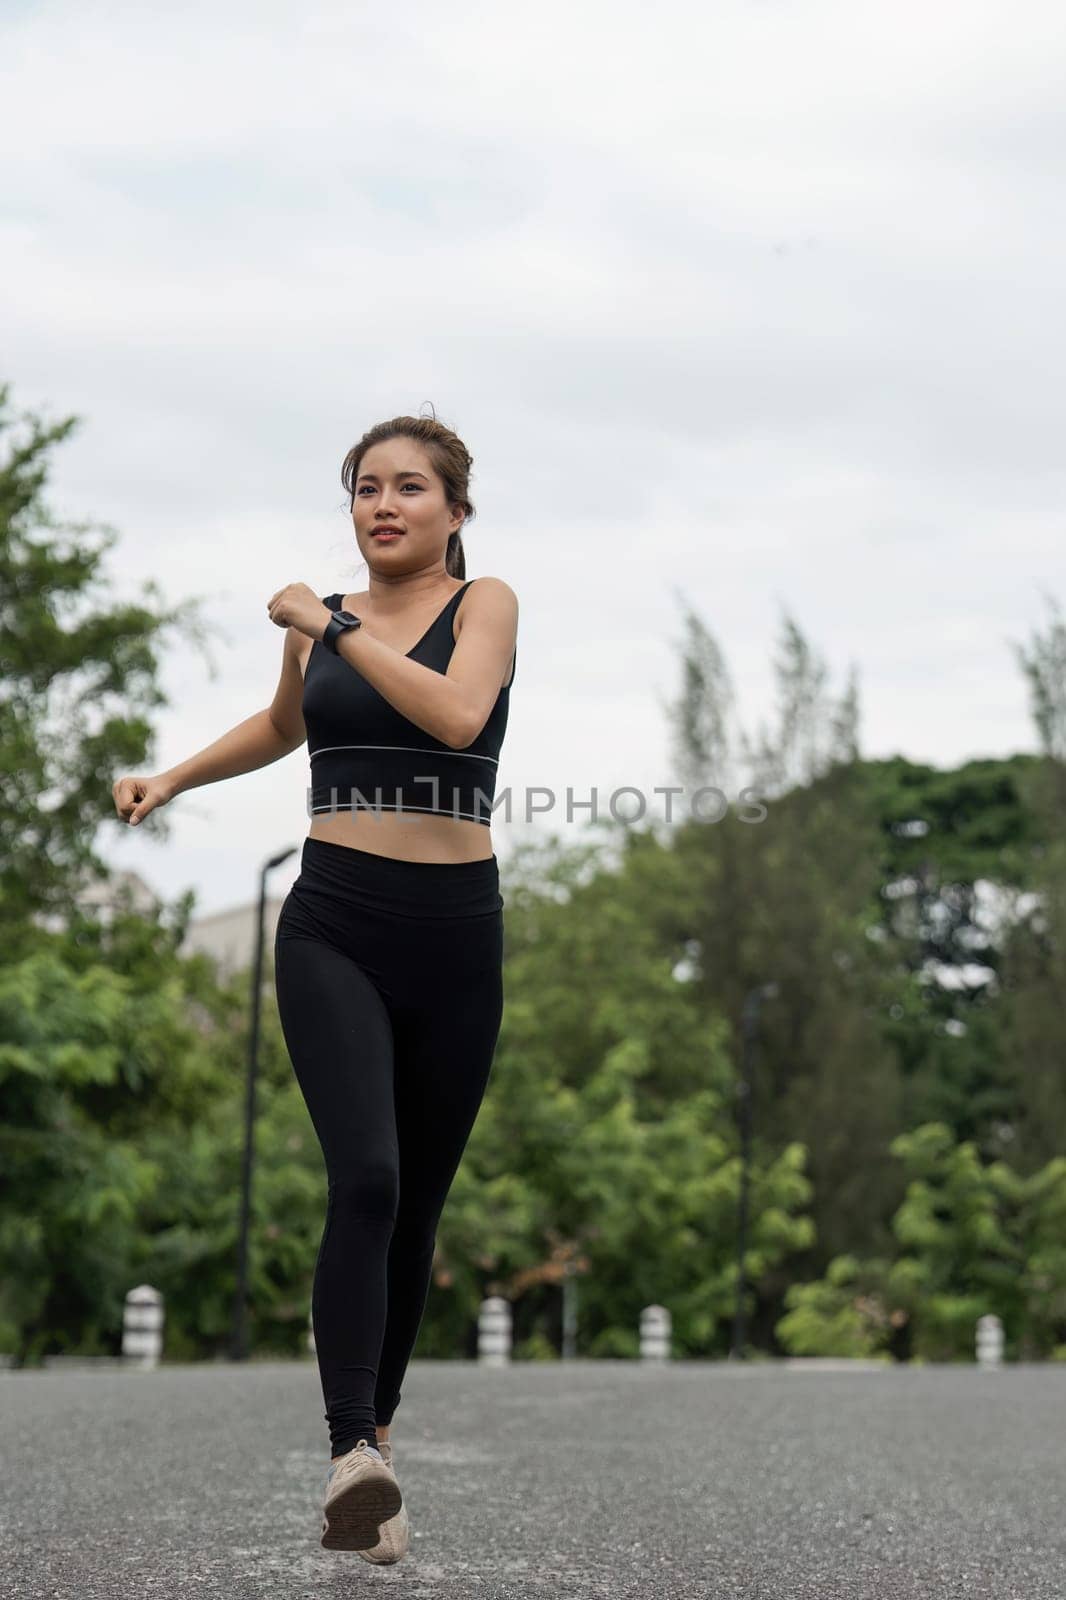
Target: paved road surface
590,1479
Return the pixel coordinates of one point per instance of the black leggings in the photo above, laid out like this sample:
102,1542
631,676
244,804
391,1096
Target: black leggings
389,983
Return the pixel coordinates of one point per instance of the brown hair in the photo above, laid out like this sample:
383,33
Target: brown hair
451,461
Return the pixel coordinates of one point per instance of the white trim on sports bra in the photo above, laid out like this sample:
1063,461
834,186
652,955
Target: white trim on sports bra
421,749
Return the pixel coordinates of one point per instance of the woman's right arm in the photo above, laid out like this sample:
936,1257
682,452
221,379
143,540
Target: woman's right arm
256,742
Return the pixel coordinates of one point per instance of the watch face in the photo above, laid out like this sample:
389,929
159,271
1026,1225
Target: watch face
339,622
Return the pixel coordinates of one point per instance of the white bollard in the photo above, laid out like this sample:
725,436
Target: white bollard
142,1327
494,1332
989,1342
655,1326
311,1332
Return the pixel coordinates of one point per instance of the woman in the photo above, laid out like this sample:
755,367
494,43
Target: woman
389,946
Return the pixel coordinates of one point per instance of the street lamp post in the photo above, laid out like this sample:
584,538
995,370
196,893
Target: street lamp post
238,1344
569,1312
749,1029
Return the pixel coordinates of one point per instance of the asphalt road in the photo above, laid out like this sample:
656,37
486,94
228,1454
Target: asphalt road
591,1479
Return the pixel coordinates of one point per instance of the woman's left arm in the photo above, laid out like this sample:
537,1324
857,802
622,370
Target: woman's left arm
453,706
481,660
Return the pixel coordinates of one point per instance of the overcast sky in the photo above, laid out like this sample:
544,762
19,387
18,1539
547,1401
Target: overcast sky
760,302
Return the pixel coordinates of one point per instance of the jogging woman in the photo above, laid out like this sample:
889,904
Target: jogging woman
389,946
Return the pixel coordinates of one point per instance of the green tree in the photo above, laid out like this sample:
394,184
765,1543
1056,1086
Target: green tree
79,675
974,1238
86,1058
607,1141
1034,958
790,897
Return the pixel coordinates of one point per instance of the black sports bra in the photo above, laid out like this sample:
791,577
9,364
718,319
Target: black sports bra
366,756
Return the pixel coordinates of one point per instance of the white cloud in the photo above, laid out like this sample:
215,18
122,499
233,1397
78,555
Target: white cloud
761,302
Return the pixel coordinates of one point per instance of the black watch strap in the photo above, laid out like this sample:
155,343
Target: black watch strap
340,622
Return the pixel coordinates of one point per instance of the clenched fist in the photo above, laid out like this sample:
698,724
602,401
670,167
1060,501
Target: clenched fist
135,797
297,606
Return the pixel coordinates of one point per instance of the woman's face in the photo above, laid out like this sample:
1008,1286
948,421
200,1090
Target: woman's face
396,485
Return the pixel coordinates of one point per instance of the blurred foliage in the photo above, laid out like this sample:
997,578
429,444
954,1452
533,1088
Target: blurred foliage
906,1078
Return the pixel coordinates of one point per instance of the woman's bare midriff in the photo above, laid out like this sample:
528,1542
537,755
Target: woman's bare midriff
408,835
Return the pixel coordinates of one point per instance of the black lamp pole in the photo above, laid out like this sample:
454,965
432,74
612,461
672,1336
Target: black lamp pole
238,1344
749,1029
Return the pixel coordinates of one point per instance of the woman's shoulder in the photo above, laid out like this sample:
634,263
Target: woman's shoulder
496,588
489,598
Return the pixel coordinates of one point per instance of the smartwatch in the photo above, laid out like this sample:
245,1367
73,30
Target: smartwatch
339,622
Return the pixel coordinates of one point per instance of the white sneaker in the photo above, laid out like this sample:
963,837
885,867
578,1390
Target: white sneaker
361,1494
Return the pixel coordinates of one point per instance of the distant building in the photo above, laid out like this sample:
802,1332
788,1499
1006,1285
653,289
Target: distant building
229,936
122,889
